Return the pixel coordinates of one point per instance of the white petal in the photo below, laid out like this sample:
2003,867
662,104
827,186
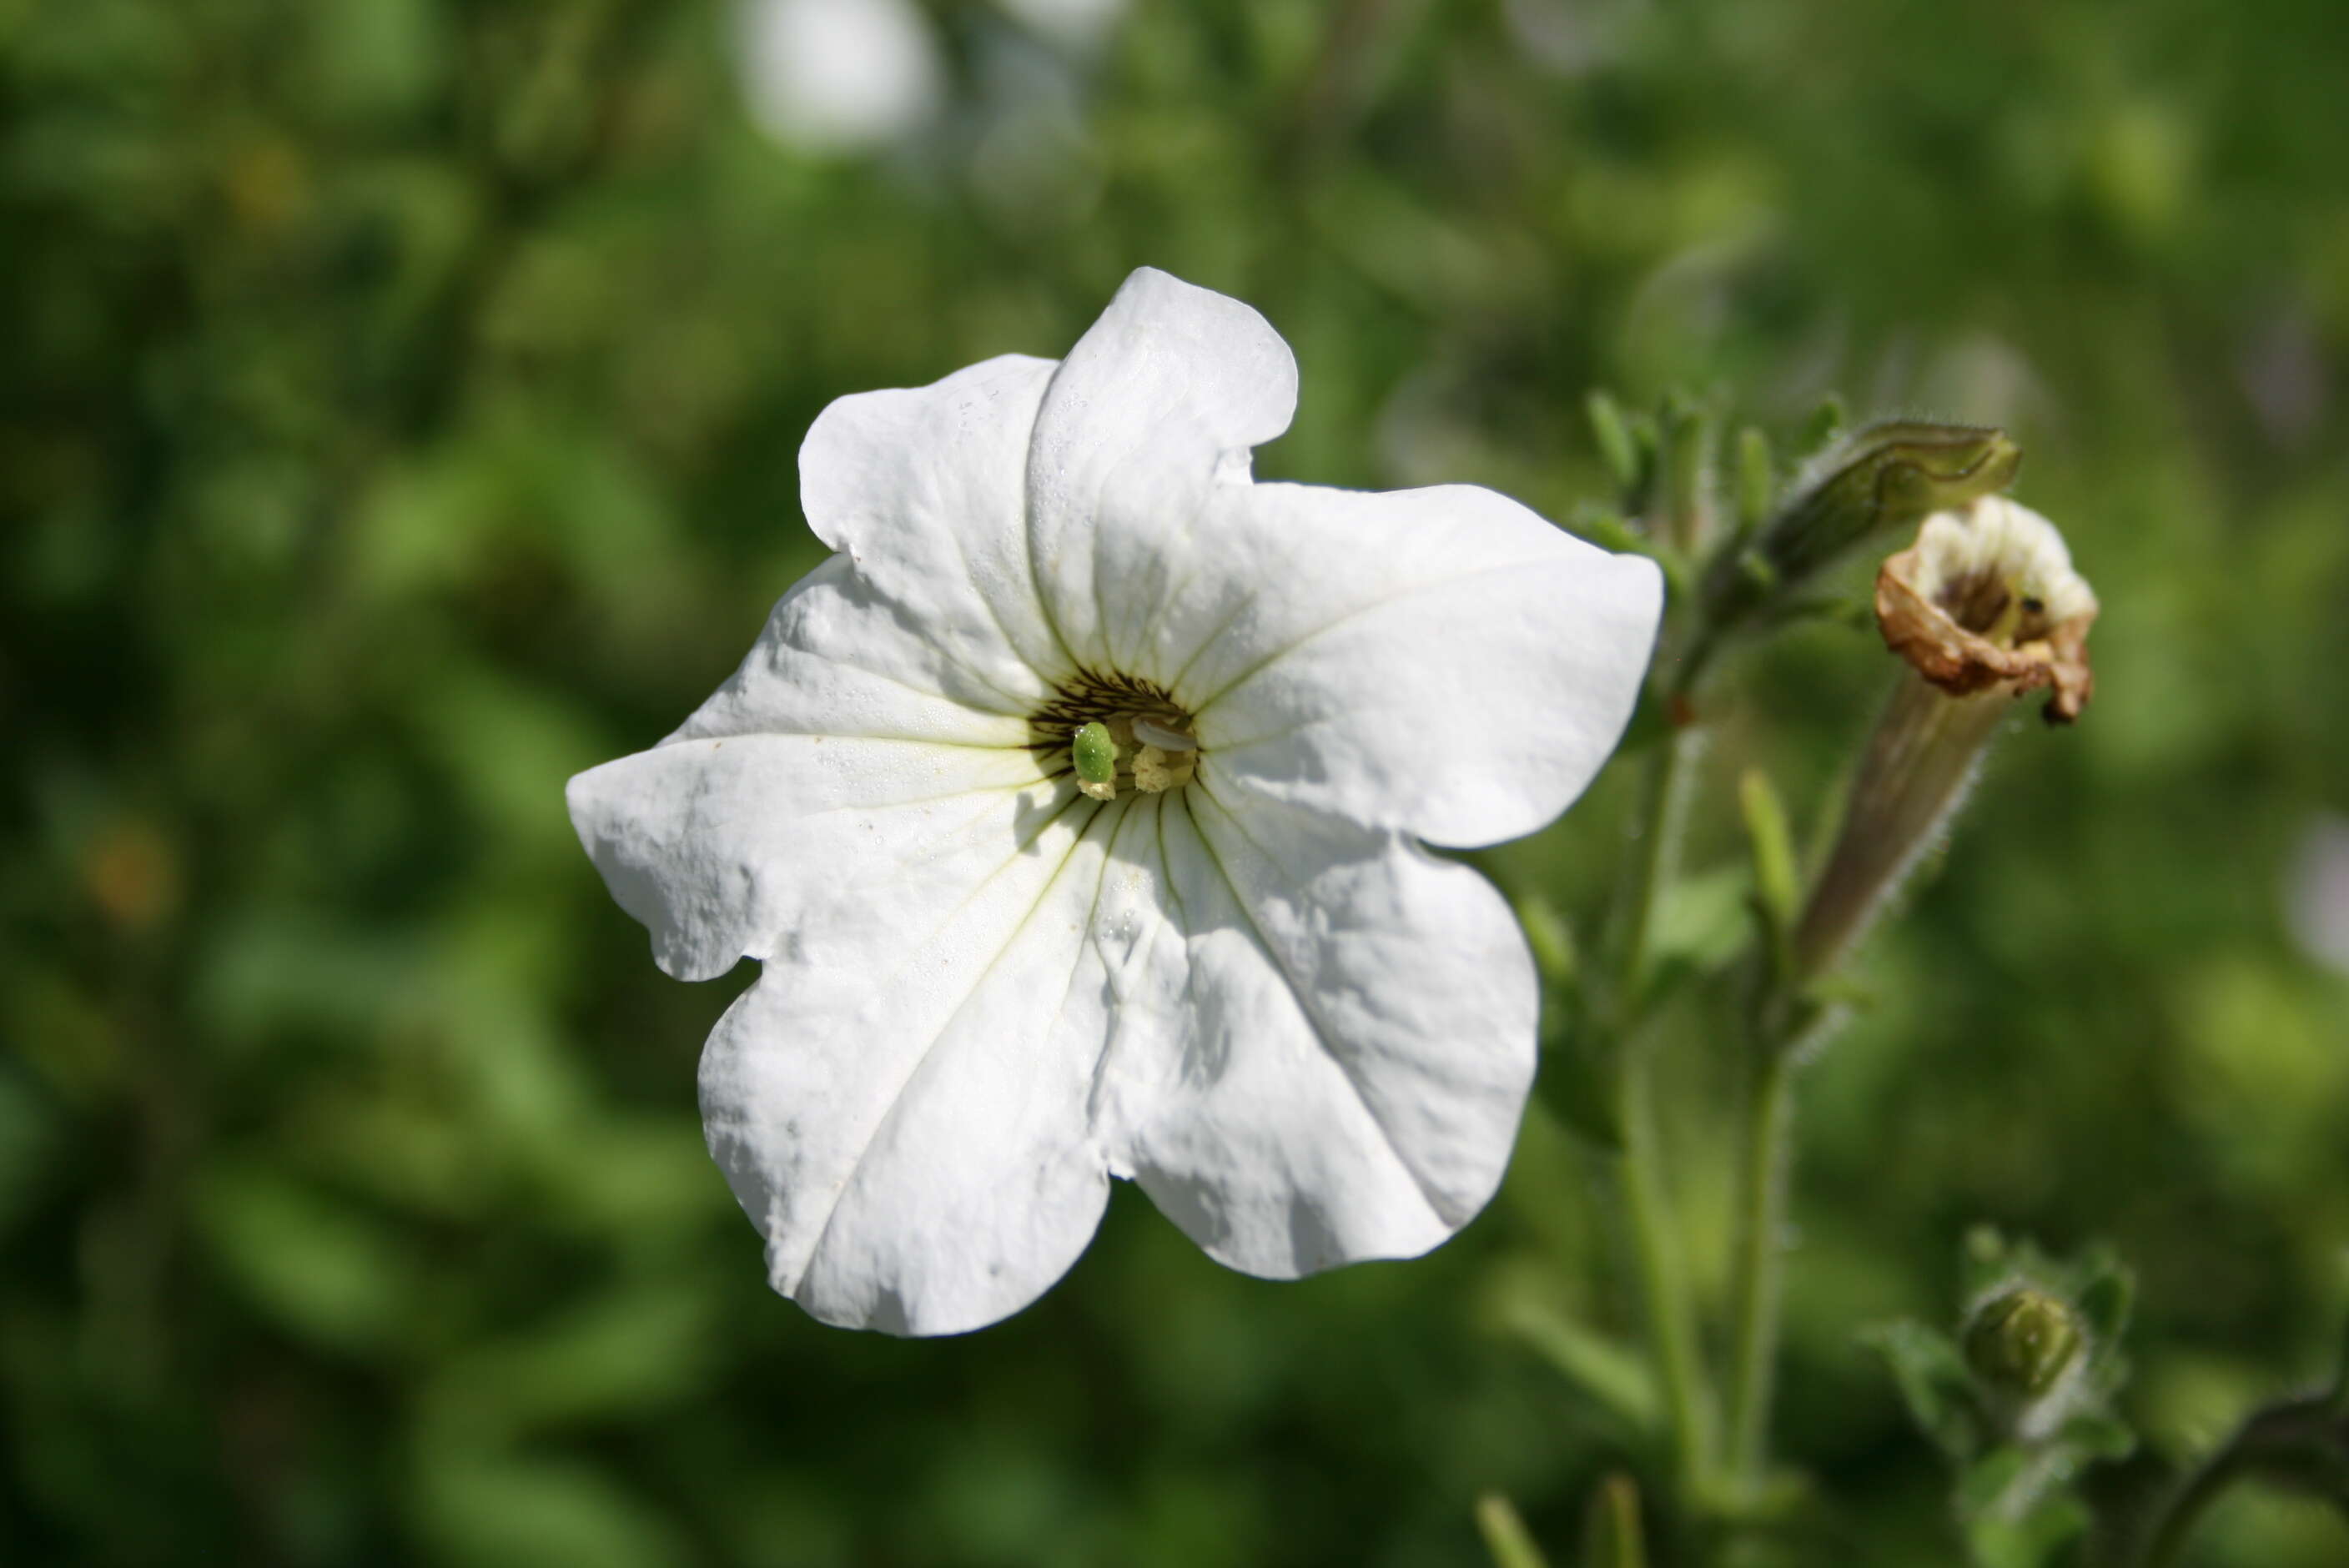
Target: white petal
726,847
1360,1042
837,657
927,625
910,1127
924,489
1155,408
1439,661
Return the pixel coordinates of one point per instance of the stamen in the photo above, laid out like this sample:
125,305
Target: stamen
1156,770
1149,732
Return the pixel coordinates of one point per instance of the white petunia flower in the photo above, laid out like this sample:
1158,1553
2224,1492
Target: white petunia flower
1228,969
839,76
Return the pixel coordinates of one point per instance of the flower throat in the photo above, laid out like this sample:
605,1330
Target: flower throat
1117,733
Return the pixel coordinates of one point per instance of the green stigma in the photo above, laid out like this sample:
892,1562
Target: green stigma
1094,751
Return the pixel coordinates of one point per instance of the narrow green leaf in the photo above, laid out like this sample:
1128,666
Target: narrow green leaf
2105,1302
1825,426
1934,1382
1506,1535
1687,441
1611,1374
1777,885
1606,528
1757,481
1612,1534
1551,939
1617,448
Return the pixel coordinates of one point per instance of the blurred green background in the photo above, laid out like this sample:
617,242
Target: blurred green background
401,401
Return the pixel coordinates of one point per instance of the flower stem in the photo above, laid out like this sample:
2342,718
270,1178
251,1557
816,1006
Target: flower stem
1661,812
1753,1346
2277,1440
1664,1280
2186,1510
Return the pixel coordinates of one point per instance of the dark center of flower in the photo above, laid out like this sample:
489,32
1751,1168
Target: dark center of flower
1985,602
1114,732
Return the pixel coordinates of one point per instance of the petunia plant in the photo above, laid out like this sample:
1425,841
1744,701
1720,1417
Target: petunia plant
1082,813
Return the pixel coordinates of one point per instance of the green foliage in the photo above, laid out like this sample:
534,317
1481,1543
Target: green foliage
1612,1533
398,414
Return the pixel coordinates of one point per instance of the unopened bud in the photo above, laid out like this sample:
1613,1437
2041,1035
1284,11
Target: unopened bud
1887,476
2022,1342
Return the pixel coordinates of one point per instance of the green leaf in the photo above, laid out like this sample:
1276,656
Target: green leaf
1986,1483
1611,1374
1506,1535
1777,885
1617,448
2031,1540
1824,428
1933,1383
322,1269
1608,529
1552,941
1757,481
1683,506
637,1348
2105,1300
2098,1436
1612,1536
489,1510
1701,920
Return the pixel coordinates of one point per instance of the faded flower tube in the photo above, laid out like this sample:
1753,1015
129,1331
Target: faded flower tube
1984,608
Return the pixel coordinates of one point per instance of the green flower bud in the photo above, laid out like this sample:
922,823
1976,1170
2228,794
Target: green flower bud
2022,1341
1887,476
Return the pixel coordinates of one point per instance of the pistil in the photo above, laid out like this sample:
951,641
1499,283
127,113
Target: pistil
1148,754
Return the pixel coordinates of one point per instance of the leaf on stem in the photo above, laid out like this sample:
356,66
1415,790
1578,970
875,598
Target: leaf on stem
1612,1534
1612,1375
1934,1382
1506,1535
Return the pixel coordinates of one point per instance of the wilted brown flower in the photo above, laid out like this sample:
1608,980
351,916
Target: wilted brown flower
1984,607
1987,600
